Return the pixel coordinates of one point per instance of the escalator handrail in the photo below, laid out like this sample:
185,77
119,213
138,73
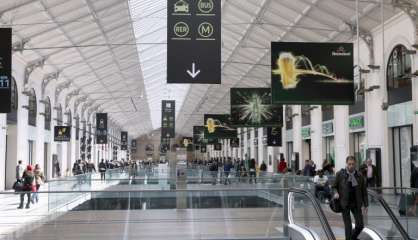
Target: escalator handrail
317,207
394,219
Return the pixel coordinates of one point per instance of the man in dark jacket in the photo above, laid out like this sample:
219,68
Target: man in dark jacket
369,171
350,187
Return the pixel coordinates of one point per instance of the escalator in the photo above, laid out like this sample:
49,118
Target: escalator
309,219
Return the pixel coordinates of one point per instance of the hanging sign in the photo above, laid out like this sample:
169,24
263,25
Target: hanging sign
274,136
101,128
124,141
5,69
168,115
312,73
194,33
62,133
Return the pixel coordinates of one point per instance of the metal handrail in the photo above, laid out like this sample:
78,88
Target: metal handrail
394,219
317,207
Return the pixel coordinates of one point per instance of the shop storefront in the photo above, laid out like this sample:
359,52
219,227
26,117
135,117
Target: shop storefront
328,143
306,143
357,137
400,118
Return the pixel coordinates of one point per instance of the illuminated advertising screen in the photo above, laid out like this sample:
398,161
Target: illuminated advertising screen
312,73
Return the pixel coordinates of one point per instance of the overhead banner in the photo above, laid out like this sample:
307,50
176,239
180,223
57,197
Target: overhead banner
133,144
101,128
218,126
312,73
203,149
234,143
164,145
5,69
168,119
274,136
194,33
124,141
252,107
62,133
199,135
149,148
186,141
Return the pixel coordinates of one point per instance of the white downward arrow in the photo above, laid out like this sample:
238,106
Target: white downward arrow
193,73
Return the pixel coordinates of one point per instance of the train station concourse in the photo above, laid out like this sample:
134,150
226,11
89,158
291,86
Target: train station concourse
208,119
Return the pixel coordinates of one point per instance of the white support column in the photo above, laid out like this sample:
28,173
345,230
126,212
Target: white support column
3,132
260,148
252,145
376,124
341,136
297,133
40,136
246,153
316,136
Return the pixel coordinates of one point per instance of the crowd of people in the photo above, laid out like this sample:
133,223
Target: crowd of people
28,181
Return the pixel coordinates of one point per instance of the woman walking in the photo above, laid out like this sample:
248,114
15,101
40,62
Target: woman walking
39,180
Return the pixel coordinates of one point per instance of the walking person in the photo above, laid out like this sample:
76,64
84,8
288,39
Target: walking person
370,172
227,170
102,170
28,186
19,170
282,166
351,190
263,171
253,173
39,180
412,211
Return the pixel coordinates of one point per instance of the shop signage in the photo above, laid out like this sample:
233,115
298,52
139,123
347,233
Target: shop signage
312,73
124,141
5,69
101,128
274,136
327,128
168,115
194,33
306,132
62,133
356,122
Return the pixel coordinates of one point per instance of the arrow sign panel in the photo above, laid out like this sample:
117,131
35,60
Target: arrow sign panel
193,73
194,41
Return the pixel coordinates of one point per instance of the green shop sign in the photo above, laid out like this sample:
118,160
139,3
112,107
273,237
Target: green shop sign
327,128
357,122
306,133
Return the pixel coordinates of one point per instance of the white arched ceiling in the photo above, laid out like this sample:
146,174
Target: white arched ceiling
114,51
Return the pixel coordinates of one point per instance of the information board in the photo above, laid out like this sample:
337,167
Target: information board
194,33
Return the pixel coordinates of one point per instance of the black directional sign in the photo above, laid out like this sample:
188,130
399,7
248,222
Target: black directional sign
5,69
168,114
194,41
101,128
124,141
